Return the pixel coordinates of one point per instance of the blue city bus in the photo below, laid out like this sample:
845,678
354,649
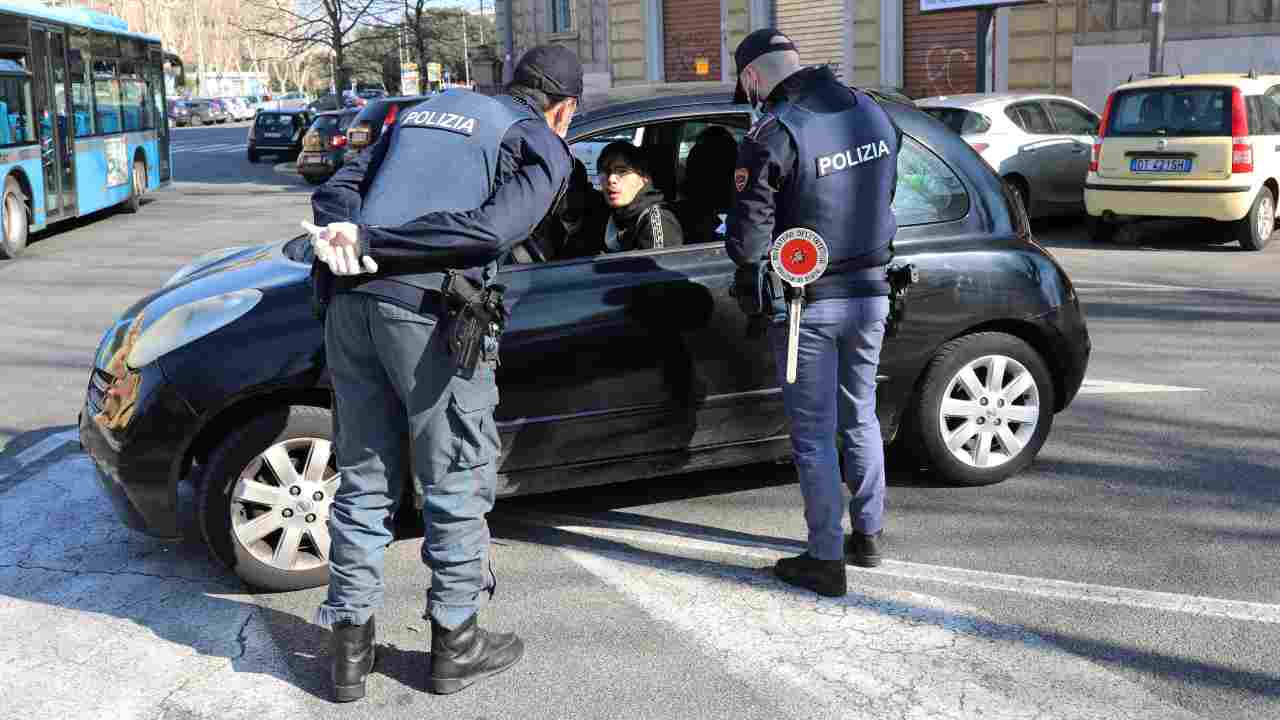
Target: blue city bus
83,122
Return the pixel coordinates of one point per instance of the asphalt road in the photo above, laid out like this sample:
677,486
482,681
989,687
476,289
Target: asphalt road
1131,572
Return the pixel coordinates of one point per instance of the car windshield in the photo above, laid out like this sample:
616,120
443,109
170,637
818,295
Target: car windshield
1171,112
327,122
964,122
275,122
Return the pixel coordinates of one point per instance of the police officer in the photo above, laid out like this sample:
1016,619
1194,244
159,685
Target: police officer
823,157
455,183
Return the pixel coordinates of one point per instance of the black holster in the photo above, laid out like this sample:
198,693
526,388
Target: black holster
322,288
761,295
477,317
901,278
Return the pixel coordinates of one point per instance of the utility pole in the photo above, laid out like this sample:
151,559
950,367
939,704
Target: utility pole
466,54
199,48
1157,36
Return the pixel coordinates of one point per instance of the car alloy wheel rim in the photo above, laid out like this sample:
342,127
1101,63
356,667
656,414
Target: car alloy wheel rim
280,504
1266,216
14,219
989,411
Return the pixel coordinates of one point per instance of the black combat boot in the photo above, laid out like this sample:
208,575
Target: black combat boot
468,653
351,647
863,550
825,577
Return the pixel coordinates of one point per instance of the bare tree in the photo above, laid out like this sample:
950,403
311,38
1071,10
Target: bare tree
328,23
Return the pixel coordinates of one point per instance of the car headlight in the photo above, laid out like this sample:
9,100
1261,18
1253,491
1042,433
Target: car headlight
201,263
187,323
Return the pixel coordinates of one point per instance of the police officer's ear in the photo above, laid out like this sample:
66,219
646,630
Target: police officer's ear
560,115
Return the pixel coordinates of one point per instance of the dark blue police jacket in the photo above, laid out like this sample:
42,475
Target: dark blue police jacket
442,156
847,152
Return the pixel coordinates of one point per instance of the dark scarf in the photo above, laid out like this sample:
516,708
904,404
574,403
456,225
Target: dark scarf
626,217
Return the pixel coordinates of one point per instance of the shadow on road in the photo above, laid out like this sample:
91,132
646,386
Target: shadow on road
1202,236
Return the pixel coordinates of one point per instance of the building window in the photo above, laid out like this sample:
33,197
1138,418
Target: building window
561,16
1109,15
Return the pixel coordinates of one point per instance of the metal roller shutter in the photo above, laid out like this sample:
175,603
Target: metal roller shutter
818,28
939,51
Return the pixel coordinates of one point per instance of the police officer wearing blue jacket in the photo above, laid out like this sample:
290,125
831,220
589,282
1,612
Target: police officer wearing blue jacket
453,185
823,157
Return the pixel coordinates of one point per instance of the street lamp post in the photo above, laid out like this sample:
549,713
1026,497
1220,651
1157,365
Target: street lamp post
466,54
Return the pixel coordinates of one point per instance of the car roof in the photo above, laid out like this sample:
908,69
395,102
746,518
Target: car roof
980,100
284,111
1247,82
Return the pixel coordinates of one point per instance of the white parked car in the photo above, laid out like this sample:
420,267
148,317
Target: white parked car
238,109
1041,144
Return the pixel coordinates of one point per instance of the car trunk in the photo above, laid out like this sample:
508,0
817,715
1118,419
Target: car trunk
1169,133
273,130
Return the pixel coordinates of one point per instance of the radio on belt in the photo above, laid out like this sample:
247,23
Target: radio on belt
798,256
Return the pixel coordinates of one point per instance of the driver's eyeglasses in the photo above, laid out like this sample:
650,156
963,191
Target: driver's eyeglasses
619,170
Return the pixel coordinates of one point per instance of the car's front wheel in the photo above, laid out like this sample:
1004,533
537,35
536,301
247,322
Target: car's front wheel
984,410
265,497
1255,230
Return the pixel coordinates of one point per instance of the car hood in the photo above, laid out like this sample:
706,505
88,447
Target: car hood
262,267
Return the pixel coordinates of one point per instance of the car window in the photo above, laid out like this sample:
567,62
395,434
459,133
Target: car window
928,191
964,122
690,132
1171,112
1030,117
275,122
1271,111
326,122
1072,120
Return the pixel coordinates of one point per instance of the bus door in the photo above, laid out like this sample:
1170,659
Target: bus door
49,94
156,93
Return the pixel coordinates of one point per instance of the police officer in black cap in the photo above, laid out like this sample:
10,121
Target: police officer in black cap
408,240
823,157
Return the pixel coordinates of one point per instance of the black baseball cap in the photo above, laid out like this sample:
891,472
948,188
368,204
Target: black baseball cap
760,42
553,69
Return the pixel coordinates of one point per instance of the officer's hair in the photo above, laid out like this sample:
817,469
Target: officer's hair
775,67
541,101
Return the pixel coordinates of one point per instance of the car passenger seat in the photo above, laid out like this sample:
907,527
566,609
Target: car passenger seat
708,185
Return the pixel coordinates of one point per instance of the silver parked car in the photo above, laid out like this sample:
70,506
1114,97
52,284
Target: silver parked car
1041,144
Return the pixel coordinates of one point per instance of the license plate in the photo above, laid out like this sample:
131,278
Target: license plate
1161,165
273,135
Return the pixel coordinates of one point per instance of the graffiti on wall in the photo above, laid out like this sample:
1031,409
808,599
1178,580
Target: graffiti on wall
943,70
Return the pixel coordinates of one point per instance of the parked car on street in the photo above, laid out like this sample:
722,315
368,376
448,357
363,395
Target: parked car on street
179,112
375,115
324,145
221,111
277,132
239,109
326,102
1190,146
616,367
1039,143
204,112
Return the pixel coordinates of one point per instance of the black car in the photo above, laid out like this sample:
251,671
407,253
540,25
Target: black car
375,115
324,145
617,367
326,102
277,131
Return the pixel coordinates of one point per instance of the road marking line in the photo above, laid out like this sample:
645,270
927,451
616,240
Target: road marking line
1105,387
44,447
1196,605
1150,286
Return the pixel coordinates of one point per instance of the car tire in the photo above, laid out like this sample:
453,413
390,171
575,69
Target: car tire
13,203
1100,231
983,406
245,492
137,187
1254,231
196,121
314,179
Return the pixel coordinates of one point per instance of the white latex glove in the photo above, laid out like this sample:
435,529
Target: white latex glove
335,246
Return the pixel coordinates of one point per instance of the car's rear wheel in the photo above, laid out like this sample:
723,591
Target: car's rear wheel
1100,231
1254,231
265,497
984,410
314,179
14,206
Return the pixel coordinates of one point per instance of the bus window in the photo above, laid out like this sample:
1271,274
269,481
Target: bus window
106,97
15,104
81,83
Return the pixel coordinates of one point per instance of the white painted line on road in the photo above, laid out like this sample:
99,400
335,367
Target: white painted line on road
44,447
1148,286
1195,605
1106,387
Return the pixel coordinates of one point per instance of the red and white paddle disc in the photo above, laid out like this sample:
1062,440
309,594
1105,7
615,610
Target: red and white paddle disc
799,256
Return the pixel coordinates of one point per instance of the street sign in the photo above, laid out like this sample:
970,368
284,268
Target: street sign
938,5
433,72
702,66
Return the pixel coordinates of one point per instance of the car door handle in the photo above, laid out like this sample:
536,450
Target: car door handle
1079,150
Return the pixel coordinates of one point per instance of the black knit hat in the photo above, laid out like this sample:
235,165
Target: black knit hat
553,69
629,155
760,42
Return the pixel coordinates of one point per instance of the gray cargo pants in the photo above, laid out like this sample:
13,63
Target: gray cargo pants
394,381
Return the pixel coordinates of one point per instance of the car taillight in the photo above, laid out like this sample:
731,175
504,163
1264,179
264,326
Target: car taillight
338,141
979,147
1096,159
1241,143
